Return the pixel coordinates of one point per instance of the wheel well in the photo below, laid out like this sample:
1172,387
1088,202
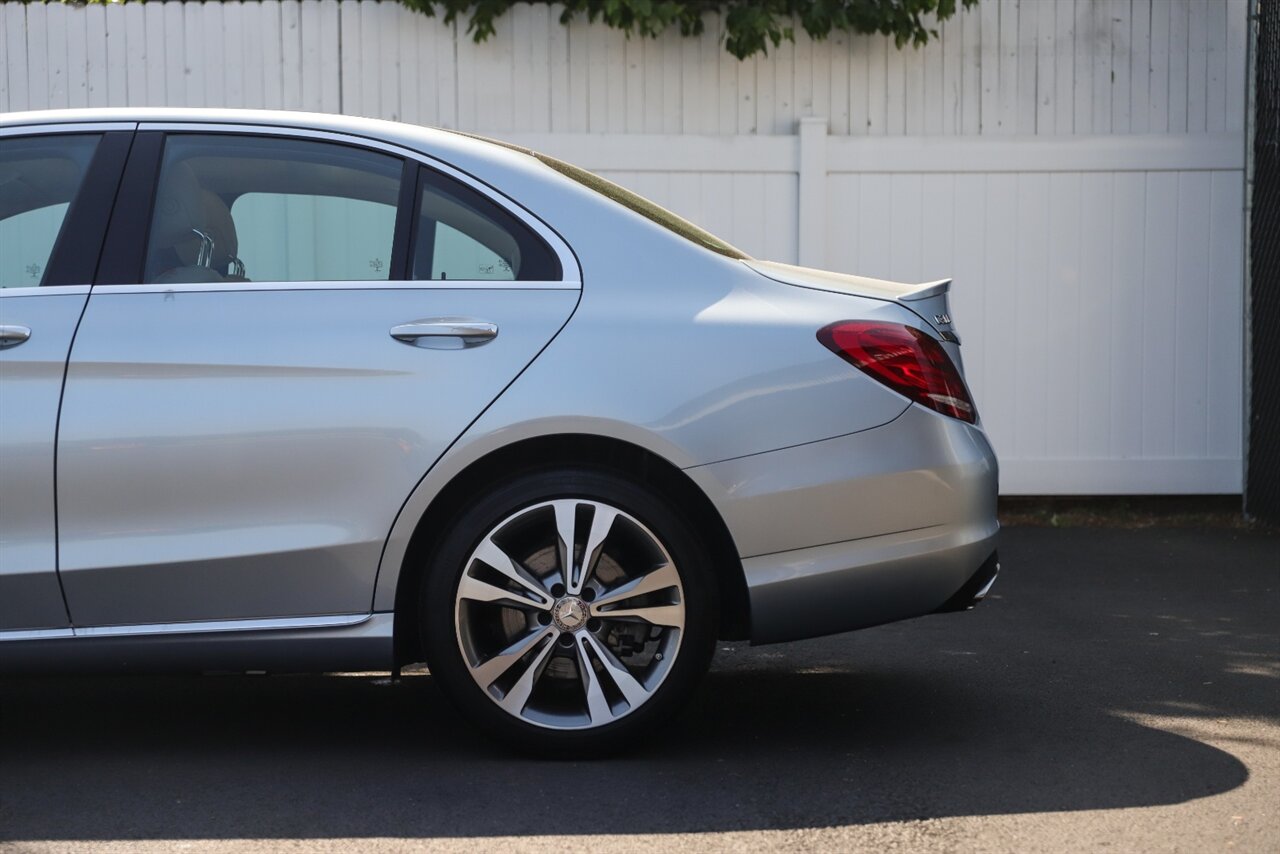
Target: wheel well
548,452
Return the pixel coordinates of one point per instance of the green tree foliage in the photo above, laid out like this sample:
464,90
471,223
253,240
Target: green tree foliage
750,25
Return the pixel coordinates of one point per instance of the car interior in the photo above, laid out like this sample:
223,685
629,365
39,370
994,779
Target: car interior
37,183
194,235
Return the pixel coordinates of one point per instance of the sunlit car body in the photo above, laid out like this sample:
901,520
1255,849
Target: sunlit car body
271,362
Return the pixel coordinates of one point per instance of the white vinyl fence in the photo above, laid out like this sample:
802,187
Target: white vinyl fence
1075,165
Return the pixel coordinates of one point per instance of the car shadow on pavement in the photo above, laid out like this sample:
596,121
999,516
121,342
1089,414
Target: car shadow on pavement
1032,703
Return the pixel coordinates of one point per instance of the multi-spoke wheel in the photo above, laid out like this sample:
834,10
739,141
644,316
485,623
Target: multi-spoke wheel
580,610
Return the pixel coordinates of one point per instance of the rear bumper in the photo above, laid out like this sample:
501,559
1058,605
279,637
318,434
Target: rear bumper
859,530
829,589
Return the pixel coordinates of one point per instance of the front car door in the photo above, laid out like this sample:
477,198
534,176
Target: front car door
266,370
56,186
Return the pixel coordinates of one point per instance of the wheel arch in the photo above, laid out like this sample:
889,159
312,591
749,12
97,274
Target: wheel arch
555,451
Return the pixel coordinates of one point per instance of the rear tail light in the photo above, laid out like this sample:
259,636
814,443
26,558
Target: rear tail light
906,360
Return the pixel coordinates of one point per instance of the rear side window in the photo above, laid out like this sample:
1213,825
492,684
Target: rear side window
239,208
39,178
463,236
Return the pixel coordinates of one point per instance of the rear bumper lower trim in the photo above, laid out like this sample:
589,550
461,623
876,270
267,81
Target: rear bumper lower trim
975,589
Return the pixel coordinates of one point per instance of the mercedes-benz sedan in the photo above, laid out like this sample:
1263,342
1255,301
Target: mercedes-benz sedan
294,392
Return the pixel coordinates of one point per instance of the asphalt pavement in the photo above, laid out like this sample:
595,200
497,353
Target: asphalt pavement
1120,690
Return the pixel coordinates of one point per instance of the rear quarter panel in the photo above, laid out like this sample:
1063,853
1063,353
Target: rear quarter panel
689,355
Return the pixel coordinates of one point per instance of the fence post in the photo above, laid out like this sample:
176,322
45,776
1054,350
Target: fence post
812,198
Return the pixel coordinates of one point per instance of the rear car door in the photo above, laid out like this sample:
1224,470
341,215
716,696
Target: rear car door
56,186
267,366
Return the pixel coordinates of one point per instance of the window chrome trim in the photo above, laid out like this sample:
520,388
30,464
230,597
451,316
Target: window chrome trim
35,634
200,627
46,129
44,291
358,285
571,271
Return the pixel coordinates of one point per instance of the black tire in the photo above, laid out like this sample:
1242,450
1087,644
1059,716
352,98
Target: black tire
473,522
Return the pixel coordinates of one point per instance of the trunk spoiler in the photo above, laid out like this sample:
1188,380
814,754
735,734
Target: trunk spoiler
929,290
929,300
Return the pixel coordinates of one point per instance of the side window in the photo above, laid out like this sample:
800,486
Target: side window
237,208
463,236
39,177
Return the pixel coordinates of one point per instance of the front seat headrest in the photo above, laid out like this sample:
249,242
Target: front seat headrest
179,209
215,221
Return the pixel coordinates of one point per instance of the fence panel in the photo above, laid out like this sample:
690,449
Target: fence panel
1035,67
1076,166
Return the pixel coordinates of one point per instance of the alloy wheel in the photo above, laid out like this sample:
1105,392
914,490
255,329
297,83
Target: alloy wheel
569,614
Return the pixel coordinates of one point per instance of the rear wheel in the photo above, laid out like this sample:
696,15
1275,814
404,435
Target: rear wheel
570,609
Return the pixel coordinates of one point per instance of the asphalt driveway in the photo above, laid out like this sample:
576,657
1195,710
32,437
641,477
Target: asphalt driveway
1121,690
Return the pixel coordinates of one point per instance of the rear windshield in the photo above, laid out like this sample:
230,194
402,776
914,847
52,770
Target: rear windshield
644,207
628,199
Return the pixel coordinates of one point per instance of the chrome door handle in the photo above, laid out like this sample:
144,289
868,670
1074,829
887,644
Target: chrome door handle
446,333
12,336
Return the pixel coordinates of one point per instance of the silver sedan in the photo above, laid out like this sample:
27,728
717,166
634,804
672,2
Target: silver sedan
286,392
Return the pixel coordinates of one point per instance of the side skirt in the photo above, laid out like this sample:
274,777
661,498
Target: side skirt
342,642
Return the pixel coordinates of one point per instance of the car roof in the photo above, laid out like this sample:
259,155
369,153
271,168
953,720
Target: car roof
289,118
446,144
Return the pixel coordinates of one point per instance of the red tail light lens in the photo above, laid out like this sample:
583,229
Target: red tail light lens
906,360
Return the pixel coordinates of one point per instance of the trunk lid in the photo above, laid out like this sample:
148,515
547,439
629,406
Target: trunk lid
929,301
